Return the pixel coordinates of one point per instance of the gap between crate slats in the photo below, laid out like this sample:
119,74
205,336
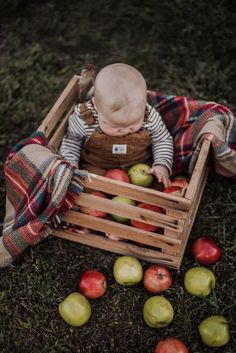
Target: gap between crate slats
124,231
118,247
129,211
147,195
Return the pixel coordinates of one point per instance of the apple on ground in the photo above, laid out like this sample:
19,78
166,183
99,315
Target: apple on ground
180,180
125,200
92,284
199,281
205,251
158,312
117,174
146,226
127,270
93,212
157,279
78,229
171,345
214,331
138,175
75,309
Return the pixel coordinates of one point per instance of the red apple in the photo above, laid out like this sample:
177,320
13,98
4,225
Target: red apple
157,279
205,251
171,345
173,189
118,174
180,180
92,284
91,211
146,226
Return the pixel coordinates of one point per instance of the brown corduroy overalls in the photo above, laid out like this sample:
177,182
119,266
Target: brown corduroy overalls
105,152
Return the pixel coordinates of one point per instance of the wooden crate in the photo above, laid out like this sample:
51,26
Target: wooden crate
164,247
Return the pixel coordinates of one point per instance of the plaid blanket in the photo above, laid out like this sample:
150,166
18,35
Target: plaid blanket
40,187
190,121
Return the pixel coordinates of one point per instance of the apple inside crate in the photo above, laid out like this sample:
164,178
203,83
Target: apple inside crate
167,244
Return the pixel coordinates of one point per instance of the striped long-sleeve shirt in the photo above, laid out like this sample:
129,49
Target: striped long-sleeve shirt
78,132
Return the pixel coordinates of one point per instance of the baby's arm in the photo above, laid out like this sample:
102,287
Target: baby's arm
73,139
162,147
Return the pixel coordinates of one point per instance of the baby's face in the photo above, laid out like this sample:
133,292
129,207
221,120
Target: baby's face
114,128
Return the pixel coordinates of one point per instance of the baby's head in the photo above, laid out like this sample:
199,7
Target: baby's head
120,99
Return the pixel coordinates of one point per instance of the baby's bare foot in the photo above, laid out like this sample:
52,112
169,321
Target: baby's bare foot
112,236
79,230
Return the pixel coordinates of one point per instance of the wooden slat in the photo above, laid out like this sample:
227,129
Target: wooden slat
66,99
195,182
193,211
171,232
124,231
129,211
194,192
59,133
198,170
119,247
134,192
172,213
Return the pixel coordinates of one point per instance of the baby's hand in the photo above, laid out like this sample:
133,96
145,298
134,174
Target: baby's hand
161,172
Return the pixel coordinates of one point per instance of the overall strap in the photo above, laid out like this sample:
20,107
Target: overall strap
86,114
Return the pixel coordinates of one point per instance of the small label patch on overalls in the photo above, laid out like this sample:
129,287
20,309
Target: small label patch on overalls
119,149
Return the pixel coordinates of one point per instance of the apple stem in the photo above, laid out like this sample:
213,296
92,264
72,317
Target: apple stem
160,275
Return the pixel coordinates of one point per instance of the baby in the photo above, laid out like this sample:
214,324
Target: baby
117,128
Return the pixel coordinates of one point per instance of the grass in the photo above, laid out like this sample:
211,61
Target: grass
182,47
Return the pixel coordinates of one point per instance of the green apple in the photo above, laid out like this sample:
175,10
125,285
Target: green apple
158,311
199,281
127,270
138,175
122,199
214,331
75,309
